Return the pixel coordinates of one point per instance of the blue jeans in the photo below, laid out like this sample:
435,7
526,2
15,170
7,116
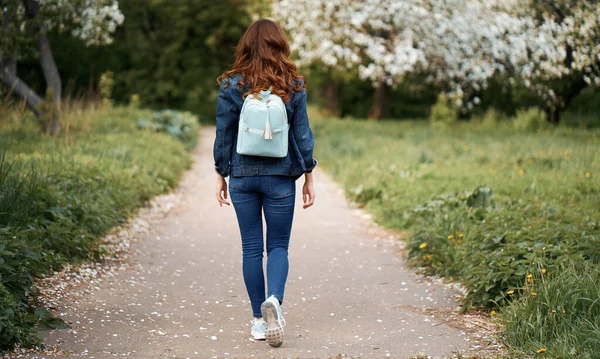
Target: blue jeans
275,195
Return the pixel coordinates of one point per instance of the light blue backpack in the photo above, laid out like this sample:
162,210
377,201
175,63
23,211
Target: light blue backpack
263,128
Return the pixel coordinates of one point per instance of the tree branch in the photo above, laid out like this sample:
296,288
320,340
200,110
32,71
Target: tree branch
16,85
558,12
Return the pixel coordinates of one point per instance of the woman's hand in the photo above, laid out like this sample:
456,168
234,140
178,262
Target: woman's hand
308,191
221,191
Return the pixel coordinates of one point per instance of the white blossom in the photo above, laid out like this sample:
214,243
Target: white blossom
460,44
95,20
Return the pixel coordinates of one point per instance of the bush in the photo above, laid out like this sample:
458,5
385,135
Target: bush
181,125
531,119
16,326
490,246
490,119
444,113
58,197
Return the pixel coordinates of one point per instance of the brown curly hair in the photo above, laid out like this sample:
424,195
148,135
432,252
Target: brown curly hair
262,57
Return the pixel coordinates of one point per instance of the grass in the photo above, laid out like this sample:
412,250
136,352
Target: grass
489,205
559,315
59,196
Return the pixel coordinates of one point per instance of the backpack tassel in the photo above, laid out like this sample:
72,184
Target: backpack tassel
268,133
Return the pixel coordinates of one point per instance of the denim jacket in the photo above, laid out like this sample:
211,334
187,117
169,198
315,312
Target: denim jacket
228,162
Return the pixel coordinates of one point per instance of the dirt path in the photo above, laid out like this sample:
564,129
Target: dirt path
182,295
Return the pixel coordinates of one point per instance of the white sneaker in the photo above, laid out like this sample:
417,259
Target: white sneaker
258,329
271,311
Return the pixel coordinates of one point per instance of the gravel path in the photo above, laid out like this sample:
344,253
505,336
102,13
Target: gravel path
182,295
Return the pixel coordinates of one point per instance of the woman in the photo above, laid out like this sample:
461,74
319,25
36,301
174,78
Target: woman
266,184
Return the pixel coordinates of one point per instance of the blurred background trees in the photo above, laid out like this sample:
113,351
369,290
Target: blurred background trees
457,46
169,53
24,33
375,58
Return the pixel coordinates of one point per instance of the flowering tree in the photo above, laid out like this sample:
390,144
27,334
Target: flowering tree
316,38
374,36
26,23
563,47
458,44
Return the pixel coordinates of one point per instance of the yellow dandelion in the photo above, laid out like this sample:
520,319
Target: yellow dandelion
460,235
427,257
544,270
529,275
566,152
588,175
541,350
534,294
593,163
459,241
451,236
423,245
466,147
553,310
521,172
492,313
510,292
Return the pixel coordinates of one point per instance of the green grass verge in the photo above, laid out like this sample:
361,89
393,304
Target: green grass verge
558,315
59,196
489,206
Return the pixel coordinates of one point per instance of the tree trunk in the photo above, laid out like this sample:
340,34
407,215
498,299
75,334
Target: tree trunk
53,83
8,72
14,83
574,89
331,94
50,70
381,103
11,66
553,115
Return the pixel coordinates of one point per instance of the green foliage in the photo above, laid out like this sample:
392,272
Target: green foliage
558,310
491,247
59,196
411,98
258,9
107,82
181,125
444,113
134,101
15,325
485,208
169,53
490,119
584,111
531,119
